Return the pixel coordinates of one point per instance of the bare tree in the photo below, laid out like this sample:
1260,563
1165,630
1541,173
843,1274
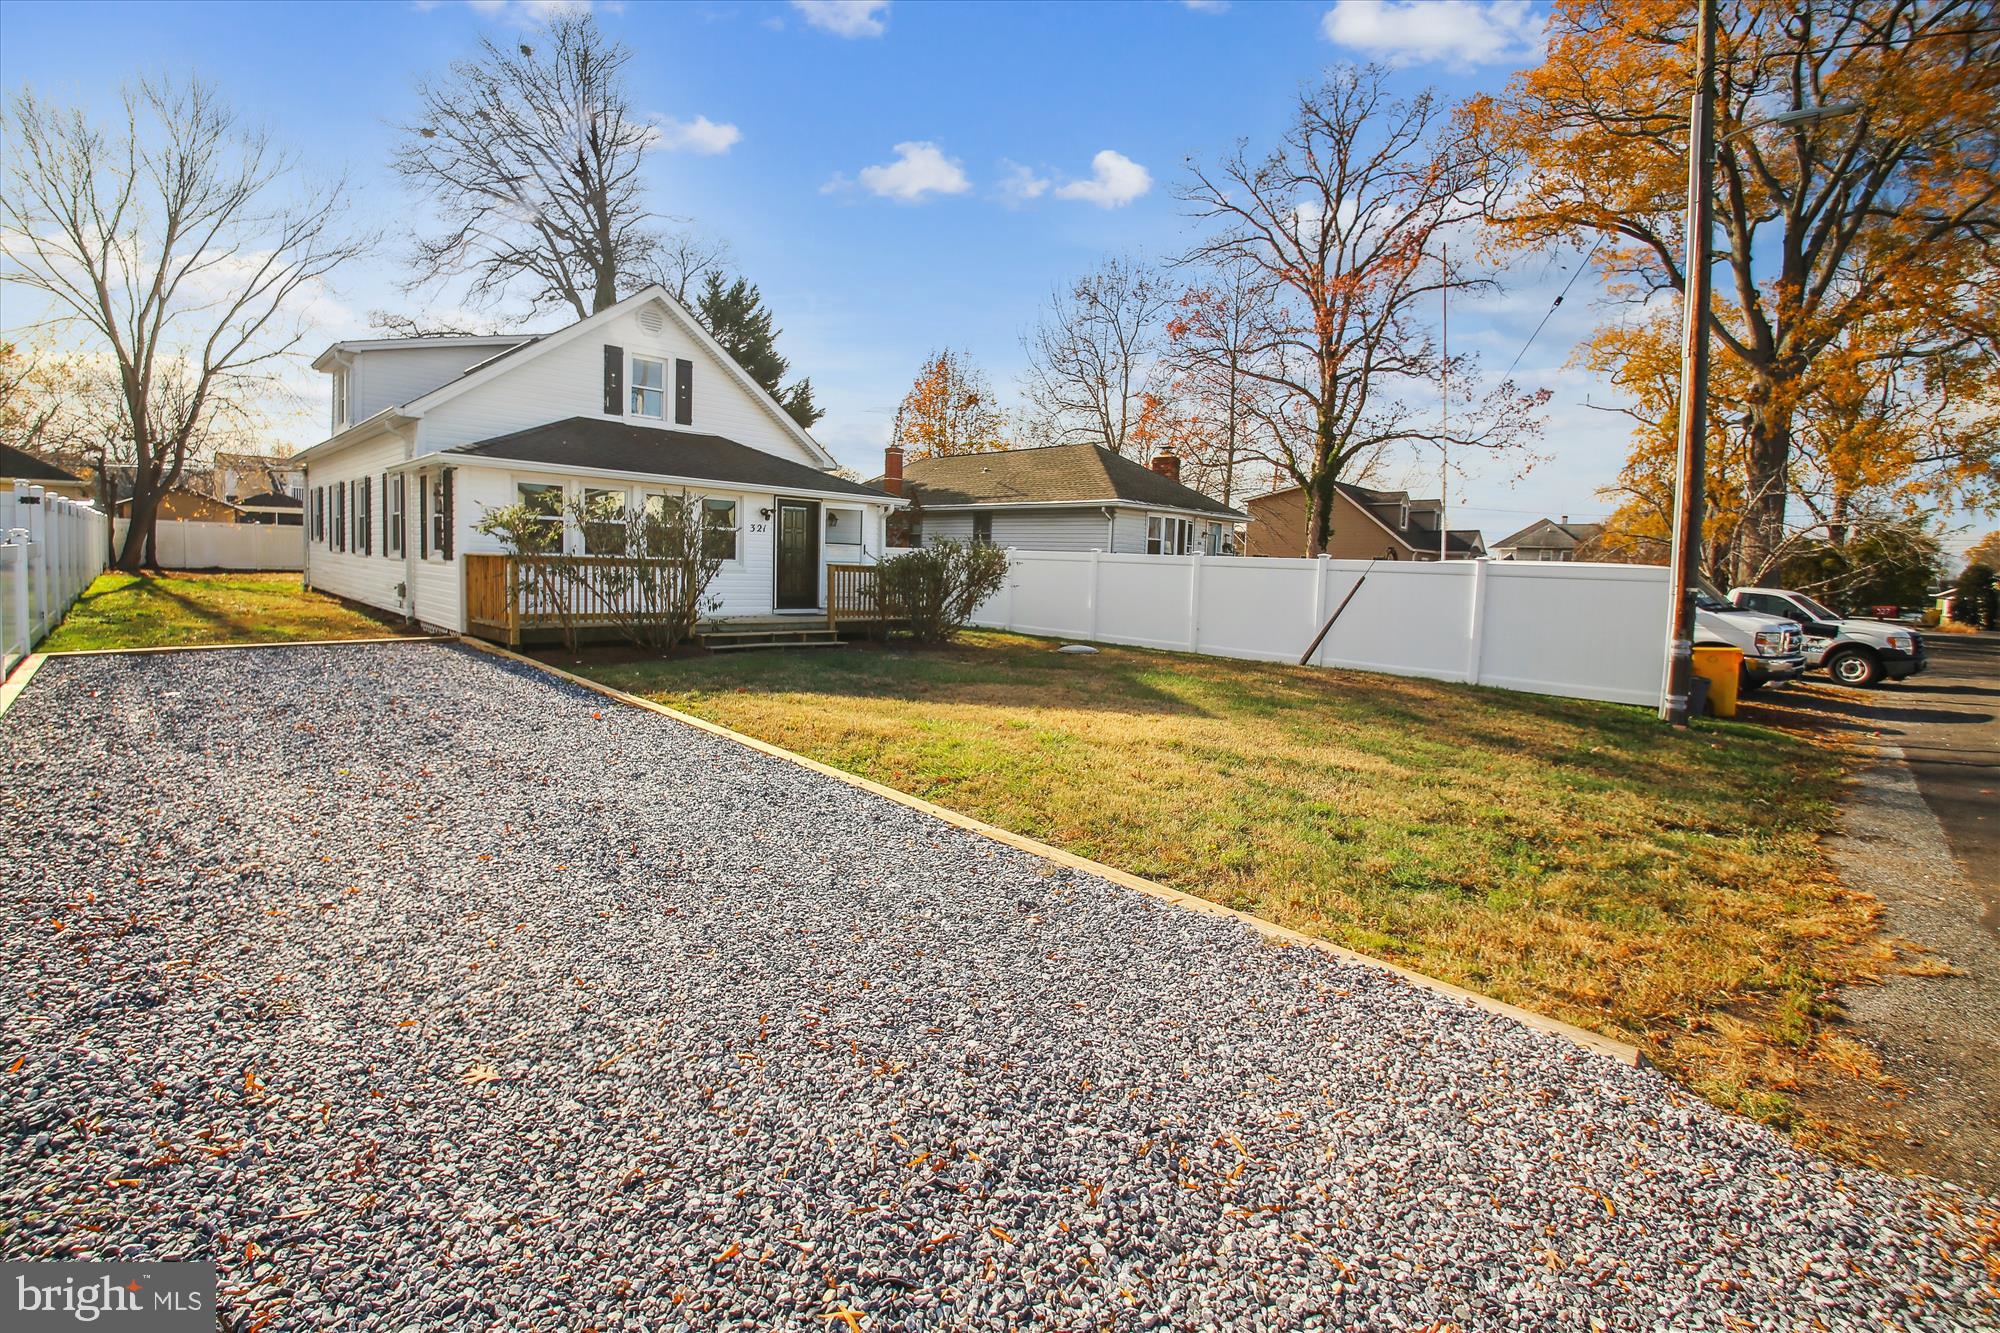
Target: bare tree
1093,358
1341,224
1209,341
180,242
532,156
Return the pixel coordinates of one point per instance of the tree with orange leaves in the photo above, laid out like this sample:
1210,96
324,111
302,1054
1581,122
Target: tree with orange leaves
1341,225
950,409
1856,251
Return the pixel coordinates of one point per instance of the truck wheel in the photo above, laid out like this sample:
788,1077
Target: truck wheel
1749,684
1856,667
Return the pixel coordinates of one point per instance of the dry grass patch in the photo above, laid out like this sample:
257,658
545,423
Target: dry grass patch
1574,858
163,610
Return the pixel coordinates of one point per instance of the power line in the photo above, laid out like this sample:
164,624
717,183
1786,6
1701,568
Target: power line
1588,256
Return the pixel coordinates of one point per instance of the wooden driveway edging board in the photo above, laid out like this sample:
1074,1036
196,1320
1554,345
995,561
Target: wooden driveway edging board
25,669
1622,1052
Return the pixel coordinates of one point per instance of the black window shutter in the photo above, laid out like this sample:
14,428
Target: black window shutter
684,393
614,381
368,516
388,538
444,544
423,516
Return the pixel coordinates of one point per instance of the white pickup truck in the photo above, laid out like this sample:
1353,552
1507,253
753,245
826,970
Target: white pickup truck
1774,648
1854,651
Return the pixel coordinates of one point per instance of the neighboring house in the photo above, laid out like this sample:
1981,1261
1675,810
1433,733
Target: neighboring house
236,476
1062,497
271,507
1552,539
20,470
635,401
184,502
1367,525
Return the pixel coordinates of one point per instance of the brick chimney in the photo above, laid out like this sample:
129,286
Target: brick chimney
1167,463
892,469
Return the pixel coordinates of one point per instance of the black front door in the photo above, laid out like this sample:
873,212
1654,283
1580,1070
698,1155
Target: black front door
798,554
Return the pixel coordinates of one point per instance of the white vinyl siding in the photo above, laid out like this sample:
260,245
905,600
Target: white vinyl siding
1051,529
392,376
568,381
363,572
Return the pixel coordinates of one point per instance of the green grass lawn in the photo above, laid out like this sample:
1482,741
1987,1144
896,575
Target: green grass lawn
1572,857
155,611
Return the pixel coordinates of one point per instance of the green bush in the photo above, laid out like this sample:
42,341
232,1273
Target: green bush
935,589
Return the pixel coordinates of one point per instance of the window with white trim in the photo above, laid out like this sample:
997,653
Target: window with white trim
1168,535
603,521
649,387
339,399
544,501
340,516
392,515
719,527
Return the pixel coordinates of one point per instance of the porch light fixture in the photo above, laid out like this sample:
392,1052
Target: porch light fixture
764,513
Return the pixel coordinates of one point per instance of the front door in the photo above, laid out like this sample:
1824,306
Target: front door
798,555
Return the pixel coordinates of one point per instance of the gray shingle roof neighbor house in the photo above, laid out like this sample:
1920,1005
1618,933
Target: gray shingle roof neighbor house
1061,497
1551,539
1052,474
20,465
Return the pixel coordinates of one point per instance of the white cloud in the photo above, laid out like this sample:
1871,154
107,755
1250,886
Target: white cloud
1116,180
846,18
920,169
1207,6
700,135
1021,184
1456,32
528,13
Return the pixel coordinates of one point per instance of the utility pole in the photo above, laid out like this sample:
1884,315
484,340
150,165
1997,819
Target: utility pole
1444,392
1693,463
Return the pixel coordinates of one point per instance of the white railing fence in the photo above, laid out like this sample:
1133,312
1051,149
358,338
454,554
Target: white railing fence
180,543
51,548
1581,630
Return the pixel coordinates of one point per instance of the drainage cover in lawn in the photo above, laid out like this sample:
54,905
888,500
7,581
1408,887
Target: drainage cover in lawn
417,990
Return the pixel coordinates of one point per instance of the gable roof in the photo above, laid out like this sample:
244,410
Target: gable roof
1052,474
495,366
1385,508
20,465
617,446
1547,534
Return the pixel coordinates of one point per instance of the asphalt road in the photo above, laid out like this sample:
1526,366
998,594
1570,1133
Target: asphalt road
1920,831
1947,724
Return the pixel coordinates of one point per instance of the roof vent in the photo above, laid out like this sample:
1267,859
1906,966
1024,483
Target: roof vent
651,320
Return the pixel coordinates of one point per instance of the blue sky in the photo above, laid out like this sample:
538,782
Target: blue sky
1035,139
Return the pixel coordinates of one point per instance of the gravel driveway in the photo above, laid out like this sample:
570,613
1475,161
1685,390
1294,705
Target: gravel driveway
425,992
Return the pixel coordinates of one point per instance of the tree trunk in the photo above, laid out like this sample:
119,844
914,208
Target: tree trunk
138,534
1761,536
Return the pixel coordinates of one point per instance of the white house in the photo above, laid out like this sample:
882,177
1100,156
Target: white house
1061,497
637,400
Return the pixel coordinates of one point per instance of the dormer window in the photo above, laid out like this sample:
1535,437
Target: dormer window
649,388
339,399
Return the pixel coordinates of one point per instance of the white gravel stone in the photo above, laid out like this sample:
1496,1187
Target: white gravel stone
422,991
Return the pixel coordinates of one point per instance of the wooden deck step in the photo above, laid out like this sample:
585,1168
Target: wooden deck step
727,635
793,643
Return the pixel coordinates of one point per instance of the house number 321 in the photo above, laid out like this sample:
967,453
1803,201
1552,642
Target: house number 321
760,527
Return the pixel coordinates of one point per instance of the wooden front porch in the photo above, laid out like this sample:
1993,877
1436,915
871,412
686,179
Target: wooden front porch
504,603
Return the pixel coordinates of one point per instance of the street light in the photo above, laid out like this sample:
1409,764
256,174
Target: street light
1692,466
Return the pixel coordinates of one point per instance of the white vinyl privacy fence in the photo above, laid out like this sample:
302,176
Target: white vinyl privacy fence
1582,630
50,550
180,543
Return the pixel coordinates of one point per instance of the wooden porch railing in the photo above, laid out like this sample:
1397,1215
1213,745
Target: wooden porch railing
506,594
851,595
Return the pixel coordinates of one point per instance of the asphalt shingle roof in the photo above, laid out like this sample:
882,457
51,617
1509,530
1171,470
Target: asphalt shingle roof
615,446
24,466
1051,475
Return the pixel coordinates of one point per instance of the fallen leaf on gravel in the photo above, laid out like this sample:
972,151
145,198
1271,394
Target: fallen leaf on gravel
852,1318
729,1253
15,1068
480,1074
1003,1236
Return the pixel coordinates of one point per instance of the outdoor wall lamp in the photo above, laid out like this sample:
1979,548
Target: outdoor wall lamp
764,514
